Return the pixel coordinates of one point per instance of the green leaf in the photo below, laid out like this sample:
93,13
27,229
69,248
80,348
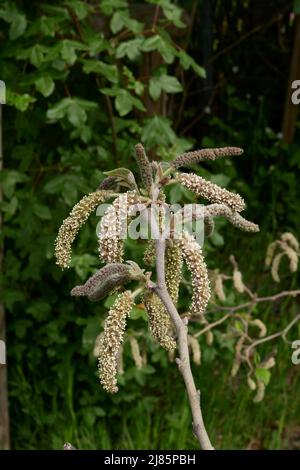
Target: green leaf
108,71
42,211
117,22
131,49
163,82
123,176
68,52
59,110
17,21
9,179
166,50
45,85
263,374
18,26
188,62
154,88
81,9
158,131
108,6
121,19
123,102
76,114
36,55
9,207
21,102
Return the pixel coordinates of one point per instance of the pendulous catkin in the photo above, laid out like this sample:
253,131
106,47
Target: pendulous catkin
211,191
71,225
291,239
260,392
195,348
159,321
112,339
112,227
173,271
238,281
135,352
188,158
215,210
192,254
261,326
219,287
149,253
144,166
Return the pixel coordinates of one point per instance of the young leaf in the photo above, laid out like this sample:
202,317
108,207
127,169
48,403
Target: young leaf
45,85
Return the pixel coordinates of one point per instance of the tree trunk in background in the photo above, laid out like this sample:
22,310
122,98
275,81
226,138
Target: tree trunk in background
291,110
4,417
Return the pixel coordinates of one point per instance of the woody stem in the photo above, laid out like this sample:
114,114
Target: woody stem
182,340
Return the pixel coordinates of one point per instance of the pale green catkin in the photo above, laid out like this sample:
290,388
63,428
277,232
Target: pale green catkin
112,339
215,210
192,254
71,225
149,253
159,321
211,191
173,271
114,221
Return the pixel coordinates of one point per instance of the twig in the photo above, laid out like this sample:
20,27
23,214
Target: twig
282,333
210,326
256,300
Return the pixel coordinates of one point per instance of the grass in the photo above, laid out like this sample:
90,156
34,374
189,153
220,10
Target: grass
233,421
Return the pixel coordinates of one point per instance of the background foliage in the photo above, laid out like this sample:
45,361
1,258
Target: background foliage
85,82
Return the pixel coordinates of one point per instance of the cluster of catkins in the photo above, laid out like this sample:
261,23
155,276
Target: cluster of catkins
114,276
286,247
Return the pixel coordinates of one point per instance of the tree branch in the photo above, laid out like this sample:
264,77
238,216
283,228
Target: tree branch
184,359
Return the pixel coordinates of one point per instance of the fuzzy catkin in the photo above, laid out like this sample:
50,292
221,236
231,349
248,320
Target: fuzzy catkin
238,281
195,348
112,226
159,321
291,239
135,352
192,254
112,339
188,158
219,288
261,326
211,191
270,253
71,225
215,210
144,166
293,258
275,267
260,392
149,253
104,281
173,271
108,183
